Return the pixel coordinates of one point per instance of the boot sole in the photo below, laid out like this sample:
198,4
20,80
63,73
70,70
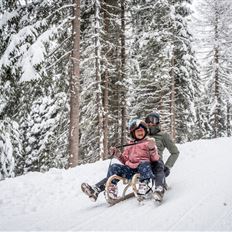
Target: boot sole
86,189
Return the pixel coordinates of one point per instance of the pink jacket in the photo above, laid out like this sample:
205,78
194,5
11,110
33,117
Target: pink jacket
144,150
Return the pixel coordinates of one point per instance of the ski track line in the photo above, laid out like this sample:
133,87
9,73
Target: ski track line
172,228
100,212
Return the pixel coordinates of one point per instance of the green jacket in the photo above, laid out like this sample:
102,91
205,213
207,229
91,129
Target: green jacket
163,140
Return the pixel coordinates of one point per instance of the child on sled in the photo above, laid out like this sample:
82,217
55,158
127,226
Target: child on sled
136,158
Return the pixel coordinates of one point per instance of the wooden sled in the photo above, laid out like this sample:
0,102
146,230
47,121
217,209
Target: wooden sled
129,184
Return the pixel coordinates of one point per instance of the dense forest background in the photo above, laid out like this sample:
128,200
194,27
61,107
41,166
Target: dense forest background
130,57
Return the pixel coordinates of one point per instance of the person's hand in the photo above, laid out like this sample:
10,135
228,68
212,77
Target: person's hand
151,145
166,171
114,152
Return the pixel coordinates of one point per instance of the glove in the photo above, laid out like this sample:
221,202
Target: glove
166,171
114,152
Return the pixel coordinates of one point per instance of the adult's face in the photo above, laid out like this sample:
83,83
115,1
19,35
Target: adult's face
153,128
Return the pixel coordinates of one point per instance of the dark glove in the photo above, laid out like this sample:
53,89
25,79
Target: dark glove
166,171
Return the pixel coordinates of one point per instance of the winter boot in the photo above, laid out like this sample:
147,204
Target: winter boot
159,193
143,191
143,188
113,191
90,191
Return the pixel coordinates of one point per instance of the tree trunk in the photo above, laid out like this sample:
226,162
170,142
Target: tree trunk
106,85
108,52
74,89
123,63
217,95
172,104
106,112
216,81
98,79
228,126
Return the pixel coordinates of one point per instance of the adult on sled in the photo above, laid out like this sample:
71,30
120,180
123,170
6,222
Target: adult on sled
136,158
163,140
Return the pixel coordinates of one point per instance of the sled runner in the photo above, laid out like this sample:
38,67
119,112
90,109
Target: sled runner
129,184
128,188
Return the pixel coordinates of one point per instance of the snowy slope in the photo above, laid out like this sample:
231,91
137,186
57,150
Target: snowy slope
200,197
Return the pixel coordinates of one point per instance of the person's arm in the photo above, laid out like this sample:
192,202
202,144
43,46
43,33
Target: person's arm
153,151
123,157
172,148
116,153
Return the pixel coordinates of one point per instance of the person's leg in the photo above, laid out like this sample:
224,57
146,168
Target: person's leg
158,170
114,169
145,171
93,190
101,184
120,170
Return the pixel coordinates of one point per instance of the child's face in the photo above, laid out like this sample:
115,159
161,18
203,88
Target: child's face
139,133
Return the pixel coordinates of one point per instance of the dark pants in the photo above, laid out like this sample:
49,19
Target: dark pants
144,169
158,170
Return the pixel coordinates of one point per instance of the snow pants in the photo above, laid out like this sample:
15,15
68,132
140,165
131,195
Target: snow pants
158,170
144,169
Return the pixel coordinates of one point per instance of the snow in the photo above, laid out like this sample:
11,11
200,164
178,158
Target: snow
6,16
199,197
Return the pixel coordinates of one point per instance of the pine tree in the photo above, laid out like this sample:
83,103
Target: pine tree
112,69
99,93
184,72
43,142
34,66
146,54
10,148
167,77
91,92
215,50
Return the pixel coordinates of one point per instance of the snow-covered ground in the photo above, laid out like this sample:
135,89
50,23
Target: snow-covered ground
200,197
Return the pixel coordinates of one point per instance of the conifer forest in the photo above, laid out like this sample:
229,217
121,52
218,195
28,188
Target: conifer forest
73,72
